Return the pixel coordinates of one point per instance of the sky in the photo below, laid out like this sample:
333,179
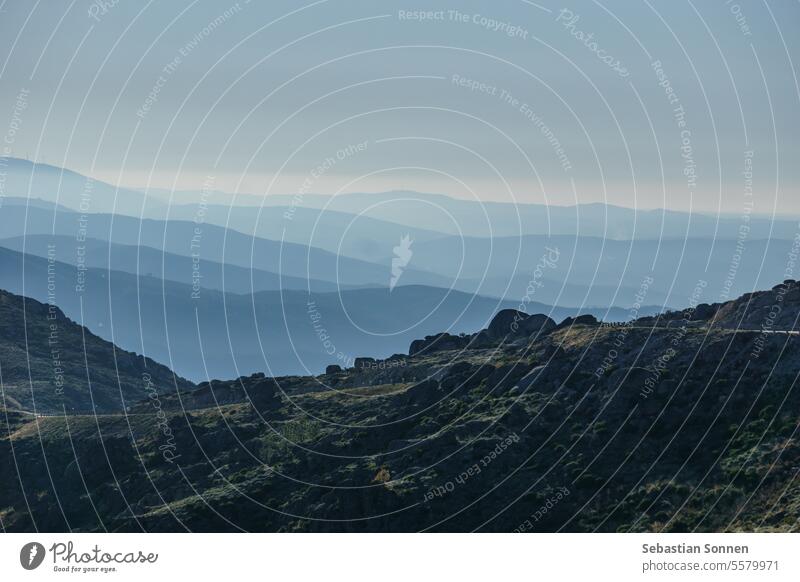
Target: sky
685,105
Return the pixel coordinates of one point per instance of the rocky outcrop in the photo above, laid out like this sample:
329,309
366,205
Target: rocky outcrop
776,309
579,320
507,323
262,391
361,363
772,310
517,323
438,343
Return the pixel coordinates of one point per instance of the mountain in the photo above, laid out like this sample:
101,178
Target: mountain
482,219
349,241
352,235
144,260
596,271
370,216
52,184
771,311
590,271
207,242
673,424
204,334
49,363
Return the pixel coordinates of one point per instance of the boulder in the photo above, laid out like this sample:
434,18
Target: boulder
438,343
704,311
585,319
518,323
361,363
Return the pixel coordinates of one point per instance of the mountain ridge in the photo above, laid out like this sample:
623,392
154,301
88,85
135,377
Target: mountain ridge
50,363
133,202
663,425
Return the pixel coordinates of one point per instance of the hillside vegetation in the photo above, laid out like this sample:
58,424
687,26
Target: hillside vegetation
686,422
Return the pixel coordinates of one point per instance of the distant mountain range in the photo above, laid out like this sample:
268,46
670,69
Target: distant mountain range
423,214
149,262
208,242
209,334
219,290
590,272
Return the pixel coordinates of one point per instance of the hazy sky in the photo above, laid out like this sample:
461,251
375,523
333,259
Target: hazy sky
650,104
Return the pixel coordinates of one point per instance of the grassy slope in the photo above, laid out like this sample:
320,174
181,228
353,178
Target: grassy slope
712,447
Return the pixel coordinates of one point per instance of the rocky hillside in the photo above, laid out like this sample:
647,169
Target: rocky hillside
679,423
49,363
775,310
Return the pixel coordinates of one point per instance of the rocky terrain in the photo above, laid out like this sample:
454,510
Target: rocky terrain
683,422
49,364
